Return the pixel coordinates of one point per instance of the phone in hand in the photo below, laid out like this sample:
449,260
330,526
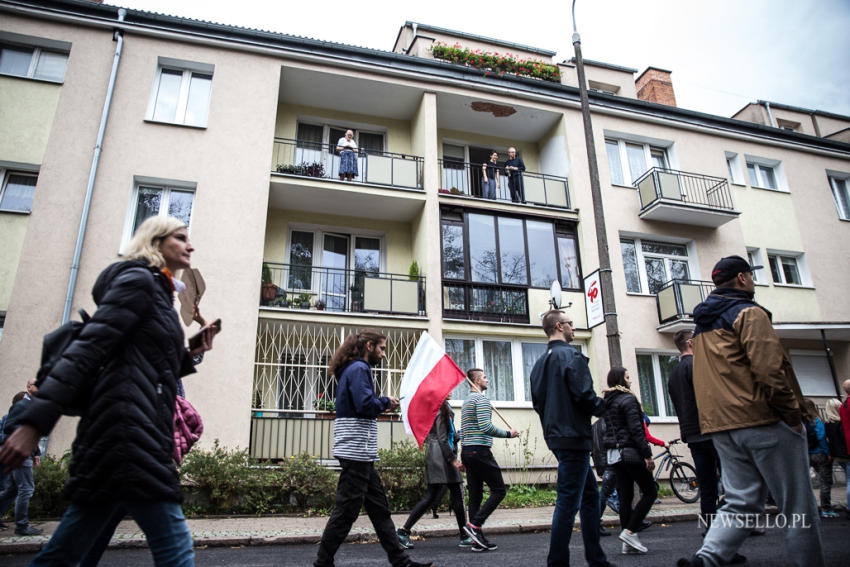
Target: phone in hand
195,340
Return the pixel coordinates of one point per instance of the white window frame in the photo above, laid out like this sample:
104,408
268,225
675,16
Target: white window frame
648,144
516,364
657,381
733,166
188,69
9,168
834,178
167,185
40,46
760,164
800,261
754,257
641,265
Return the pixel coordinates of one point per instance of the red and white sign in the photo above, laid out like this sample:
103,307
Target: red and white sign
430,375
593,300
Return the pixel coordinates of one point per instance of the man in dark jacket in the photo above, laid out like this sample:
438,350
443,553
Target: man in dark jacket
750,402
706,461
514,167
562,395
20,486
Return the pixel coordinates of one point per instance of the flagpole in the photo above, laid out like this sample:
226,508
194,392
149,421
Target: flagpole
471,385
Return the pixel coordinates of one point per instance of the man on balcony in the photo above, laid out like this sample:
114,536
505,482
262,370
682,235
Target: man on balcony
356,448
513,169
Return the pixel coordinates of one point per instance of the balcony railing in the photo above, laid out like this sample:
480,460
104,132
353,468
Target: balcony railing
320,160
342,290
461,178
689,188
677,299
485,302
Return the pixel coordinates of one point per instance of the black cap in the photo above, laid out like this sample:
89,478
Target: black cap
729,267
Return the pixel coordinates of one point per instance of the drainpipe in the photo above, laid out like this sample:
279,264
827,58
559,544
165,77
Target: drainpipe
412,40
118,37
770,114
831,362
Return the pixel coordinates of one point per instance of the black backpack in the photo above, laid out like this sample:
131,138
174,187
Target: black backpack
55,343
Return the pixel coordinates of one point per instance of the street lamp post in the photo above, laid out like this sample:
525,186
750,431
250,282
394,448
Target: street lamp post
608,304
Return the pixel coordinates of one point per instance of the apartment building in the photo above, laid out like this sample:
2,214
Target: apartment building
235,131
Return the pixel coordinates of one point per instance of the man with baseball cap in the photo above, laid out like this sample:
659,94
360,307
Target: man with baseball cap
750,403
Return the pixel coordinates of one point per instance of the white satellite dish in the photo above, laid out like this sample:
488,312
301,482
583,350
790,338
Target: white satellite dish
555,295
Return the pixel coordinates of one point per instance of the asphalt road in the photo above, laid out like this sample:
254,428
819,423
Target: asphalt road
666,543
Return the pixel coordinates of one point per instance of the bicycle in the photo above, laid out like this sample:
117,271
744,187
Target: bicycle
683,477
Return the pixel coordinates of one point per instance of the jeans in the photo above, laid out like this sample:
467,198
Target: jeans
576,493
488,187
163,523
823,467
93,555
627,475
359,485
706,463
609,486
19,488
757,459
482,468
432,499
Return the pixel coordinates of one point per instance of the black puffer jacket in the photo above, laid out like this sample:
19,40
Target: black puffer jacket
624,425
125,438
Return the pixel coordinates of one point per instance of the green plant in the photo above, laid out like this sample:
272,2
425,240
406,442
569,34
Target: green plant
496,64
309,485
303,300
50,477
402,472
413,271
267,274
324,403
315,169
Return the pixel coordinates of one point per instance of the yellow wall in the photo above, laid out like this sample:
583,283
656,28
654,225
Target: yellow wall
26,116
13,227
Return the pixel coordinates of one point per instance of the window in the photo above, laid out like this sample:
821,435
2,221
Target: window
654,371
784,269
841,194
17,191
181,92
639,157
813,374
649,264
32,57
733,165
765,173
316,143
507,362
754,258
158,197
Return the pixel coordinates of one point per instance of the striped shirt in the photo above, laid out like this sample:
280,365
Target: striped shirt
476,422
356,438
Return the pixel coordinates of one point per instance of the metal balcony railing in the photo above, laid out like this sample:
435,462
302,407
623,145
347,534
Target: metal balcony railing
687,188
343,290
462,178
320,160
485,302
677,299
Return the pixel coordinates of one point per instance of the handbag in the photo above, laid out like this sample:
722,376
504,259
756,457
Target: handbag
188,427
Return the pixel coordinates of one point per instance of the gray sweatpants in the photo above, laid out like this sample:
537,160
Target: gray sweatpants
755,460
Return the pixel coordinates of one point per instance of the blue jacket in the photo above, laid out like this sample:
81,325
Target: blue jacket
357,407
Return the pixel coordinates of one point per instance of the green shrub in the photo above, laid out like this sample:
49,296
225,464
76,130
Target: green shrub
50,477
402,471
310,486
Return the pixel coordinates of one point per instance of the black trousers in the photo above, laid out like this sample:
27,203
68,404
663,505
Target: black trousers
359,486
516,187
707,465
627,476
482,468
432,499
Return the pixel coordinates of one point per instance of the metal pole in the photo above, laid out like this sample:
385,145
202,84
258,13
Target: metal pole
831,362
608,304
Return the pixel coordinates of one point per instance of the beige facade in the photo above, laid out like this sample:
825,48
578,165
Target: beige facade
259,166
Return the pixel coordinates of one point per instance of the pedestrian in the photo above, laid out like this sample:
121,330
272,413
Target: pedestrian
607,474
490,176
629,452
442,472
819,457
435,507
347,148
122,454
20,486
514,167
356,449
750,403
563,397
680,386
477,433
837,443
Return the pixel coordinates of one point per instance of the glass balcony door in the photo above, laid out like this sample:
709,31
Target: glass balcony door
334,285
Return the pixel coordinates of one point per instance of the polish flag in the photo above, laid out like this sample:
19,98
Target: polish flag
430,375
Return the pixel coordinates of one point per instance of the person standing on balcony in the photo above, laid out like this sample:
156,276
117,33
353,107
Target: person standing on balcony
356,449
513,169
347,148
490,178
477,432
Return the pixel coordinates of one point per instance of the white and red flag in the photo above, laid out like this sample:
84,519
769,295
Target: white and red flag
430,375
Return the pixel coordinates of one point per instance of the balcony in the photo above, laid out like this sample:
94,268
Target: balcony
485,302
464,179
341,290
687,198
676,301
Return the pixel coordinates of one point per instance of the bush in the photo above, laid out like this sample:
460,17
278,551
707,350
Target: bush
402,471
50,477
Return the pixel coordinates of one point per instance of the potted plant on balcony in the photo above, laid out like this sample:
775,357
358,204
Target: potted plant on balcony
324,403
413,271
303,301
269,289
320,304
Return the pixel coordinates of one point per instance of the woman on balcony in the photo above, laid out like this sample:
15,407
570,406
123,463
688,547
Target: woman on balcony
347,148
490,179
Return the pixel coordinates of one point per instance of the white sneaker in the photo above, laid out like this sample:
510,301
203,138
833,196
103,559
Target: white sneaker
629,550
633,540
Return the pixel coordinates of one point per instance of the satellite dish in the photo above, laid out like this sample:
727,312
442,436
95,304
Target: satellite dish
555,295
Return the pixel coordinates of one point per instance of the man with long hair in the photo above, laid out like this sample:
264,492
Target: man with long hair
356,448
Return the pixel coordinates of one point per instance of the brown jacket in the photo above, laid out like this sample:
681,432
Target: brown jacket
742,374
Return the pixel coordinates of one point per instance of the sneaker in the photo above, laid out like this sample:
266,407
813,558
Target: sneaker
27,531
828,514
633,540
614,505
629,550
474,534
404,538
478,548
489,544
4,526
737,559
466,541
417,564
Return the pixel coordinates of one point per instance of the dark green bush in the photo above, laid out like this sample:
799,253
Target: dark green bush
50,477
402,471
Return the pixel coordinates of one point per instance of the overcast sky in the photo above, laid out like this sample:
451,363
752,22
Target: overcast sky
723,53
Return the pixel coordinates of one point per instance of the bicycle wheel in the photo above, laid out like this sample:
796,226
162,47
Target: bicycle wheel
683,481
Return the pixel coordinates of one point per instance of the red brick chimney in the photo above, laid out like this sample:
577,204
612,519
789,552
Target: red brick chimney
654,85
